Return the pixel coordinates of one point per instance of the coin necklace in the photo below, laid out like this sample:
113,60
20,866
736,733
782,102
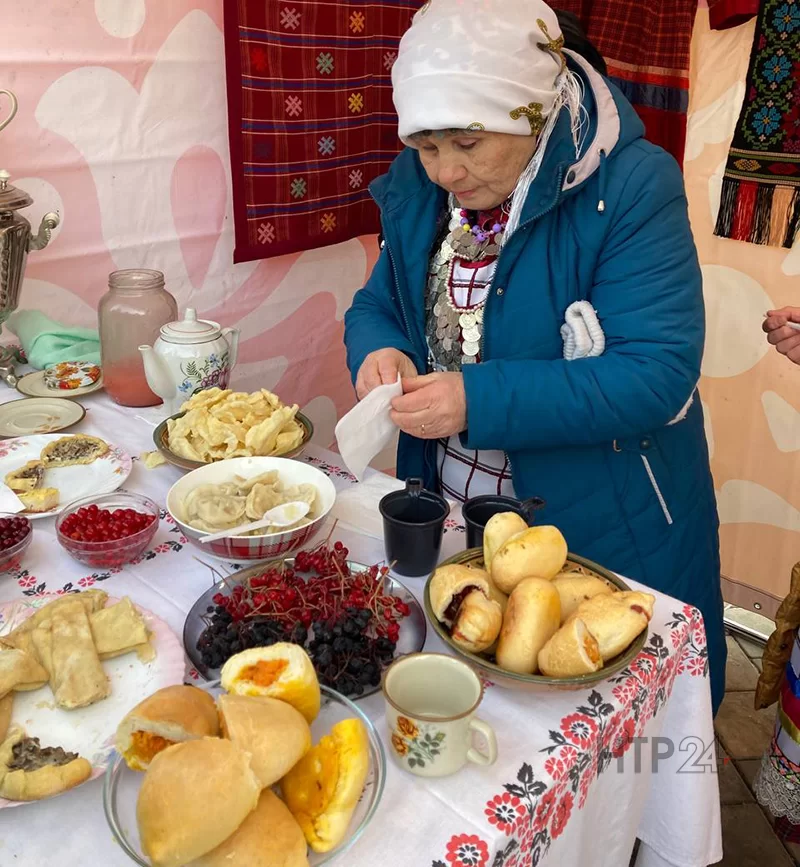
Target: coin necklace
460,276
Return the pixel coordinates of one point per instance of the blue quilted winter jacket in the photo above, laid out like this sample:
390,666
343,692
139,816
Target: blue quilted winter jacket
596,438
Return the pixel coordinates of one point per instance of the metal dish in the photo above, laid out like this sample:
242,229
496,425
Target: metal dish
121,785
535,682
161,440
413,628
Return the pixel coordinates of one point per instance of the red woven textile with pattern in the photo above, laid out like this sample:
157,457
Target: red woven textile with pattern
311,118
646,47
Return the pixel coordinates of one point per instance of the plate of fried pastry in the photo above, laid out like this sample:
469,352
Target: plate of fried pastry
48,471
70,666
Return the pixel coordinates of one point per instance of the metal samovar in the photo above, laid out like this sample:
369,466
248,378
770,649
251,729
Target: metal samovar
16,240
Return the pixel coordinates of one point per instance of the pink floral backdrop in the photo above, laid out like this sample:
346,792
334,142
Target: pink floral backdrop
122,128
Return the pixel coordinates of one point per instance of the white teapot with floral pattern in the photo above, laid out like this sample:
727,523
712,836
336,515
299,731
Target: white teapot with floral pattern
189,356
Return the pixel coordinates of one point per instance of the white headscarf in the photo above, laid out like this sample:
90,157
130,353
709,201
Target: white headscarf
493,65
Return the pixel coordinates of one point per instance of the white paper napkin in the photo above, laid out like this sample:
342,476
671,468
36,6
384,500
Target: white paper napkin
357,506
10,503
367,429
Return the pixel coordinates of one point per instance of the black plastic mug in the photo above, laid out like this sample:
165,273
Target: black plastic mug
413,524
478,510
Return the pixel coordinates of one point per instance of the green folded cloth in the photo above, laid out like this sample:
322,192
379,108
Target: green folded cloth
47,342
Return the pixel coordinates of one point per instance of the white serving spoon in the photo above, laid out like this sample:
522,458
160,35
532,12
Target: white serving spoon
281,516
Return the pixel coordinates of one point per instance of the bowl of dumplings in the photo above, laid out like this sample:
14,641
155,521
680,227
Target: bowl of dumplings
229,494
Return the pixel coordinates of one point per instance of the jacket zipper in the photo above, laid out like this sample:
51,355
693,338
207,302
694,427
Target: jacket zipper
661,501
491,290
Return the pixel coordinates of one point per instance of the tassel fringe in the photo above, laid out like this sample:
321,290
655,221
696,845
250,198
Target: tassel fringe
758,213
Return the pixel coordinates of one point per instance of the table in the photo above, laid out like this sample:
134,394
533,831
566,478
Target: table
580,774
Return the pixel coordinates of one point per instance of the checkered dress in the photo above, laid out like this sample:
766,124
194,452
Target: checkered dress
463,473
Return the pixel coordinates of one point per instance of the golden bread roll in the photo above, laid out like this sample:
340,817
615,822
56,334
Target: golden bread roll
323,788
283,671
193,797
268,837
495,593
171,715
572,651
531,619
638,601
615,620
275,734
498,530
477,623
449,587
537,552
574,588
30,772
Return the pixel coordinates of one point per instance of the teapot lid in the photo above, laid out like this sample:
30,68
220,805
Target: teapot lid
190,329
11,198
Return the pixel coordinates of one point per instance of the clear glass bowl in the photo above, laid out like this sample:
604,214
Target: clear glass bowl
121,784
109,555
11,558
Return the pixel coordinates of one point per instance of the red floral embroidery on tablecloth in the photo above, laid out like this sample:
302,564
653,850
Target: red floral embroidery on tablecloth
86,581
330,469
561,816
544,811
467,850
626,691
558,765
505,811
579,728
585,744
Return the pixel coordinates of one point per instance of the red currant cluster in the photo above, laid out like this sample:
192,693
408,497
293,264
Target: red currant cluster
92,524
282,593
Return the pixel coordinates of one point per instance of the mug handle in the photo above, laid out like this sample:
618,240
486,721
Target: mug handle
476,756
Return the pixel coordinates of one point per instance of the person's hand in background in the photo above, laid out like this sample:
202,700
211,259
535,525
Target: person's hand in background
381,368
782,336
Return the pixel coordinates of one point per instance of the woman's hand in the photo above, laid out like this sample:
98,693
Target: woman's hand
785,339
432,406
381,368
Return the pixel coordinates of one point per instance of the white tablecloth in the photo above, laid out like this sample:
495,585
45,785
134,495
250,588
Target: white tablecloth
580,774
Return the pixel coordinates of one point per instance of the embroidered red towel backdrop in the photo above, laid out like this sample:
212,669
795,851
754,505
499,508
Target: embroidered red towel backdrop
311,118
646,47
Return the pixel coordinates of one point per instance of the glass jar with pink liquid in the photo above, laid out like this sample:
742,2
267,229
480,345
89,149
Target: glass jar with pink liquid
130,314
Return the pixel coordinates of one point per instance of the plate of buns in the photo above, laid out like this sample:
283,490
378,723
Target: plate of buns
266,767
530,615
48,471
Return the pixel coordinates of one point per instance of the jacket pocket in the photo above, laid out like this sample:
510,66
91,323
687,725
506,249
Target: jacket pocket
648,473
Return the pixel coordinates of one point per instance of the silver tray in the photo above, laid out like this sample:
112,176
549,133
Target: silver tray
413,628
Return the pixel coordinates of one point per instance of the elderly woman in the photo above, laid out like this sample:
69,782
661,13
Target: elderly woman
540,296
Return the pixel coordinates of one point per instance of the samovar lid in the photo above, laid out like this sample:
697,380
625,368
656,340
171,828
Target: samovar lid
11,198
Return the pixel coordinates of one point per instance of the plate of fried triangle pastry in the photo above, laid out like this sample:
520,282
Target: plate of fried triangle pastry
47,471
70,667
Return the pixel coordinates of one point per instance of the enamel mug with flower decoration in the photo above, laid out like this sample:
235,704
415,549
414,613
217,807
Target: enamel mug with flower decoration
431,702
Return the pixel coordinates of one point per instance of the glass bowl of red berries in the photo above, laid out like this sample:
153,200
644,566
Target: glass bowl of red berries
16,533
108,531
